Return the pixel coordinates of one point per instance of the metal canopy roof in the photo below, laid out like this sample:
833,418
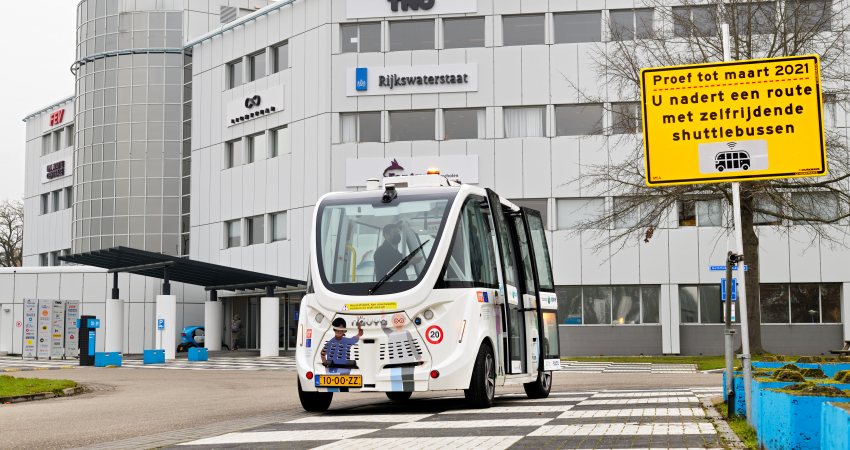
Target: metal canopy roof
181,270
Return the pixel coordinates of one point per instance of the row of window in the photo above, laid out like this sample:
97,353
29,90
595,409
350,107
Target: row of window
469,123
253,230
256,147
57,140
582,26
698,304
52,258
57,200
257,65
816,206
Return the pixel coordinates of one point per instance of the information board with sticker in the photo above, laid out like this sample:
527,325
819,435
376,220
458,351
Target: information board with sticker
733,121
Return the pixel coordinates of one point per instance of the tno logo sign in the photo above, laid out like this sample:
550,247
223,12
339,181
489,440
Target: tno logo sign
414,5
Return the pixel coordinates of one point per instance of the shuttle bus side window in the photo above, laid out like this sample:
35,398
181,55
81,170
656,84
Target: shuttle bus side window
525,254
541,253
471,261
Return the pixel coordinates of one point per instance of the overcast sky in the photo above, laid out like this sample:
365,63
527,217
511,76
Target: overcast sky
37,49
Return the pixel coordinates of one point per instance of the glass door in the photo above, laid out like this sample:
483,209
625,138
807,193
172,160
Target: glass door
294,307
515,348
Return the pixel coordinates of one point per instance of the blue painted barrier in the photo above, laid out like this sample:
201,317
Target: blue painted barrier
829,369
791,421
102,359
198,354
835,428
154,357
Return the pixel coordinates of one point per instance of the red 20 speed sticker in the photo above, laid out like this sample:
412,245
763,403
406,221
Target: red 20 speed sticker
434,334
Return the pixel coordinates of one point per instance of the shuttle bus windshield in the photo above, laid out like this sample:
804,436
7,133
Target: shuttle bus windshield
362,239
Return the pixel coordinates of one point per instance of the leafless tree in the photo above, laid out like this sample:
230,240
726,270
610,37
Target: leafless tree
11,233
689,33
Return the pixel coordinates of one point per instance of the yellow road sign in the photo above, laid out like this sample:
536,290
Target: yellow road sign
735,121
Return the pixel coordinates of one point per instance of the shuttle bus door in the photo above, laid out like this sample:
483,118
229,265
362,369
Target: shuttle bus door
511,304
529,289
546,307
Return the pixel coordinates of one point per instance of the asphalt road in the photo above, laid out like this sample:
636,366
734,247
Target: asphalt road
125,403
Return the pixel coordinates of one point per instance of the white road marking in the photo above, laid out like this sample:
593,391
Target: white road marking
380,418
501,423
455,442
628,413
511,409
621,429
279,436
640,401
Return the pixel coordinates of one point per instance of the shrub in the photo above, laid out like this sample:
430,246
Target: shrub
813,373
789,376
842,376
816,390
772,358
790,367
809,359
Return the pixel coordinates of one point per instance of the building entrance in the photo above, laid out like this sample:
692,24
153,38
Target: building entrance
242,322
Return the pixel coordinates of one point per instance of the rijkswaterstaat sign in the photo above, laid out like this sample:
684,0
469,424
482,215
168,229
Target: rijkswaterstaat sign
360,9
440,79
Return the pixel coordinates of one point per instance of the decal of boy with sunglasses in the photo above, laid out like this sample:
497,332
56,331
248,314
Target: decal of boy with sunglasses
337,350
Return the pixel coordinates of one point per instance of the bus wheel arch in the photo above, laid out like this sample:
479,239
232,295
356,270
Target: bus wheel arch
482,383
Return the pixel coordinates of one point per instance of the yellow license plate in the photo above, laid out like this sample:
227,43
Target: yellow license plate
339,381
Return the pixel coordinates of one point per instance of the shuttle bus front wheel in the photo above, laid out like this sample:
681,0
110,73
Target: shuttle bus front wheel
539,388
482,387
314,401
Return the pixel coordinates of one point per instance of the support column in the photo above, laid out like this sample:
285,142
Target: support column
269,324
113,320
213,322
166,309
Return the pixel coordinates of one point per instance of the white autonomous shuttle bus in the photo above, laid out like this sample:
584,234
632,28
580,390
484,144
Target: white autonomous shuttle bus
426,284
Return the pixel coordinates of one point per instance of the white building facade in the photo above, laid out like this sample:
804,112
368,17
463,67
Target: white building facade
306,97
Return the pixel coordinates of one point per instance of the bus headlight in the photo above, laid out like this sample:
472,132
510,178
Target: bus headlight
428,314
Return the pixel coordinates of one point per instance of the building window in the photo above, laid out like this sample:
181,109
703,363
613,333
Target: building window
234,74
257,66
233,233
57,140
56,201
361,127
466,32
256,230
607,305
800,303
46,146
464,123
808,16
256,147
360,37
412,125
234,153
54,258
45,203
695,21
770,211
817,207
280,53
279,227
625,118
43,260
584,26
575,212
69,197
578,120
700,213
630,24
753,18
702,304
411,35
630,211
527,121
280,142
524,30
69,136
830,111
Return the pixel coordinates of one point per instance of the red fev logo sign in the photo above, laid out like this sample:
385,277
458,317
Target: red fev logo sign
56,117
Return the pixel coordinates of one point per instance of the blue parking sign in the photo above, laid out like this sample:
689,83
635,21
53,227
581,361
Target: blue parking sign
734,289
160,324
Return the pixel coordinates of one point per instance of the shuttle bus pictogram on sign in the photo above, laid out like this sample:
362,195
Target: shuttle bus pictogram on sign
733,121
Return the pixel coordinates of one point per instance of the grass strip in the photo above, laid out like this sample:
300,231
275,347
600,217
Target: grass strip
702,362
15,387
740,426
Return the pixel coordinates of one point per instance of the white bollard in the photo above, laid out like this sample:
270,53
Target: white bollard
113,324
269,323
213,324
166,308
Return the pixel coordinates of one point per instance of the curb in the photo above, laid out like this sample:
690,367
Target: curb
728,436
67,392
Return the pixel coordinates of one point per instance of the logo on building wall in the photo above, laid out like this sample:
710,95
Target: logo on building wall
252,102
56,170
414,5
56,117
394,170
361,79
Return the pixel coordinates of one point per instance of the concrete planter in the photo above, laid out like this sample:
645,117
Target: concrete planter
788,421
835,428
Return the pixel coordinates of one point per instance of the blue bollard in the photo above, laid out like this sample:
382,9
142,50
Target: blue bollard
198,354
154,357
102,359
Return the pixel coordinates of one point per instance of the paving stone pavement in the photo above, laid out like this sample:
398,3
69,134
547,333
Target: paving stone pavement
17,364
608,367
668,418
